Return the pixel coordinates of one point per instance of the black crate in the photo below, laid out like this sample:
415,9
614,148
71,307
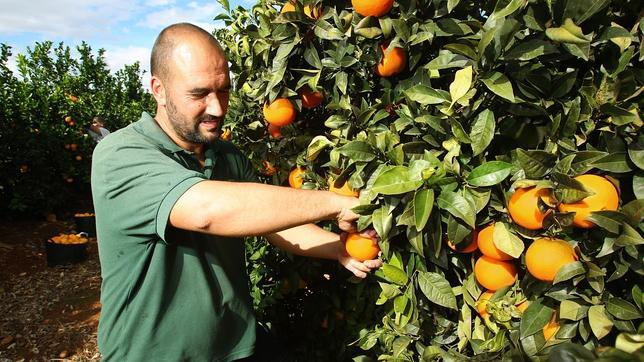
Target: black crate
86,224
61,254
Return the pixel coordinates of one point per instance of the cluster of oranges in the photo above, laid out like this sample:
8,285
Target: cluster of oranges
546,255
281,112
69,121
68,239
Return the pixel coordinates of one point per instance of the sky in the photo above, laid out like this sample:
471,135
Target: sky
125,29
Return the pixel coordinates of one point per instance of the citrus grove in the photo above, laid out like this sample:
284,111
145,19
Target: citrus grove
497,151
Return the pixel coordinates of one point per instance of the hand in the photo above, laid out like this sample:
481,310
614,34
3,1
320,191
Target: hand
347,218
358,268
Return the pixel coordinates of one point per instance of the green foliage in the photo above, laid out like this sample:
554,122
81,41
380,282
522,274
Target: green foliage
496,95
44,159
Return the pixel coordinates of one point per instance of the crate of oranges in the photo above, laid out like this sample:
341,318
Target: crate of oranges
86,222
66,249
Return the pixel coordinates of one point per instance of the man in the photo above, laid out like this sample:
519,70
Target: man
172,203
97,129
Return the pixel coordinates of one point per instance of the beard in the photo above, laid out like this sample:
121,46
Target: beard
189,130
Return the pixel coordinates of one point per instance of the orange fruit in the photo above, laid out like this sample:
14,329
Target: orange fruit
372,7
345,189
269,169
481,305
226,135
485,241
24,168
523,306
79,157
275,131
73,147
605,198
279,113
295,177
546,256
310,99
392,63
361,247
68,119
313,12
524,208
550,329
463,246
494,274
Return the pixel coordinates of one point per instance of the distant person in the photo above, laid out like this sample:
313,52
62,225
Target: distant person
97,129
173,203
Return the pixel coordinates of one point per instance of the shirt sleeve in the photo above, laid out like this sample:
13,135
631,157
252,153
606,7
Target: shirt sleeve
137,185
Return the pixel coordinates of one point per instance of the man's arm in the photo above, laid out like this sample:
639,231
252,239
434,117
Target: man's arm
312,241
239,209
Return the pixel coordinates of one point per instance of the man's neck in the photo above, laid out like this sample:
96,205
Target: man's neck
162,120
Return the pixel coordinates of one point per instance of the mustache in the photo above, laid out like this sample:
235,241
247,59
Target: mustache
208,118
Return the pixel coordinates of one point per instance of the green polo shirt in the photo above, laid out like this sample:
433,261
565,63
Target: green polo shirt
167,294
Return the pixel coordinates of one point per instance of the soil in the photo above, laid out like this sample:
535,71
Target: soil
46,312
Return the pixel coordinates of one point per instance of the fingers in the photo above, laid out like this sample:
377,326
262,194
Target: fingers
358,268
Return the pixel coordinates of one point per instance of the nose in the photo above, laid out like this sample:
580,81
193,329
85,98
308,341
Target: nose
215,105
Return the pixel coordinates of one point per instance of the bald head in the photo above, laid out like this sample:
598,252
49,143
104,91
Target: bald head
169,39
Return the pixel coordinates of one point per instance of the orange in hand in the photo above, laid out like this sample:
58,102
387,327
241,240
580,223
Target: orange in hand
361,247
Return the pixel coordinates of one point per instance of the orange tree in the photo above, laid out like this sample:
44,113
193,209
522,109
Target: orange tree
45,152
439,112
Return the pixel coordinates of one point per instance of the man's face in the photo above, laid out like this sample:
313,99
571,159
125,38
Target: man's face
197,92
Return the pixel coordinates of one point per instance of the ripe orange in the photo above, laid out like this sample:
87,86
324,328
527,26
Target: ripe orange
485,241
345,189
279,113
494,274
275,131
73,147
393,63
605,198
269,169
524,208
481,305
226,135
295,177
68,119
310,99
464,246
311,11
361,247
372,7
551,329
545,257
79,157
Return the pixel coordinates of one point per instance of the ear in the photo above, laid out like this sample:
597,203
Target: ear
158,90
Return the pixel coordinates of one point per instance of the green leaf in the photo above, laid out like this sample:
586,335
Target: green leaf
489,173
396,180
638,186
571,310
508,9
569,190
599,322
482,131
499,84
437,289
530,49
614,162
357,151
423,204
536,163
506,241
382,221
636,152
608,220
534,318
567,33
426,95
461,84
622,309
341,80
394,274
629,343
451,4
629,236
569,271
317,145
458,206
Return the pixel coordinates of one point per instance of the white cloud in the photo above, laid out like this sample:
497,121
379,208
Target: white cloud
155,3
196,13
116,58
63,18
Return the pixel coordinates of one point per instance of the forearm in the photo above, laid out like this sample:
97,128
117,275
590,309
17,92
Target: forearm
243,209
308,240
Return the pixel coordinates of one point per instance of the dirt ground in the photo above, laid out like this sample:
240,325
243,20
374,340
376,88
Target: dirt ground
46,313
